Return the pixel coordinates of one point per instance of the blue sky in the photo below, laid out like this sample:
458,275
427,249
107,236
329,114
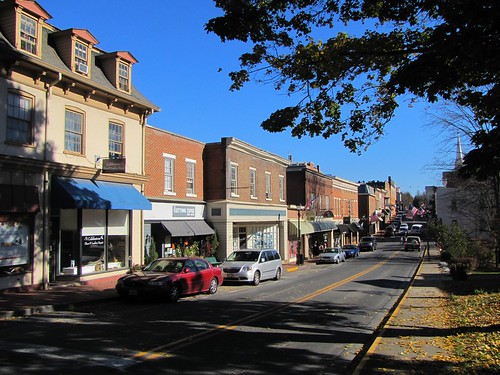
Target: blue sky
178,70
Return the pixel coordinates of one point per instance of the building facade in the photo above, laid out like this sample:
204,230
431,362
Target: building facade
245,192
71,153
174,167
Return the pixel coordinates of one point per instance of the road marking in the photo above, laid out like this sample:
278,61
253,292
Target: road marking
187,341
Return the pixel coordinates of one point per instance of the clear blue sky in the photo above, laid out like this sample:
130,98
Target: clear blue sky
178,70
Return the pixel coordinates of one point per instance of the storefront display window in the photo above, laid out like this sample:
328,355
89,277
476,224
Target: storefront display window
14,246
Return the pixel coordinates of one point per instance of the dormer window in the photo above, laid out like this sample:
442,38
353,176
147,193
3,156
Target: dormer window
28,34
81,58
123,77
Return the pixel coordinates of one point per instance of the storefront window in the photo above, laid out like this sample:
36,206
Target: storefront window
14,246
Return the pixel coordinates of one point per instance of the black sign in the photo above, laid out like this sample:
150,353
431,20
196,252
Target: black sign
113,165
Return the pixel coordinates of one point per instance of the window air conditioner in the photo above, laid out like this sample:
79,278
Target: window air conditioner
82,68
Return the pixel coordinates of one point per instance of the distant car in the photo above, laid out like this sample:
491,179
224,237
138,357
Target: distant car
412,243
389,231
332,255
171,278
351,251
253,266
403,229
368,243
416,229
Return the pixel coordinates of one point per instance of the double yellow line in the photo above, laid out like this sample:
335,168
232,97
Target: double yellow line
159,352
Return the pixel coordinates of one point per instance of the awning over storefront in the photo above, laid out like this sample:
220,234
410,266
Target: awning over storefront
343,228
308,227
187,228
353,228
19,198
79,193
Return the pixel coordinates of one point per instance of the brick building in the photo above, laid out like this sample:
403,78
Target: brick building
174,167
245,191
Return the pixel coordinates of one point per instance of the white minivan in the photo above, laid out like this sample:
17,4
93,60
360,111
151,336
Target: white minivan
252,266
416,229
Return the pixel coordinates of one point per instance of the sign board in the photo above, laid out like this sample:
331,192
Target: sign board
113,165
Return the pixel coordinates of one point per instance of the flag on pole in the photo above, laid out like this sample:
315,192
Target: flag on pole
309,204
411,213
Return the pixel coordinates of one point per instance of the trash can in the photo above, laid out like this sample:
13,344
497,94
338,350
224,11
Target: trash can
300,259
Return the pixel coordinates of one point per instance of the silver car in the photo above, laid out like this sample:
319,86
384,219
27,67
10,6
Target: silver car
253,266
332,255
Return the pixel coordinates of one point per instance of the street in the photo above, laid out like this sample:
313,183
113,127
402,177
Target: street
314,320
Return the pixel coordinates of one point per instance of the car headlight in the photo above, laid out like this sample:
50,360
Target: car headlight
246,268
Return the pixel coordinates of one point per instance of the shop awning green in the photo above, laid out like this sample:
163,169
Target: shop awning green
308,227
70,192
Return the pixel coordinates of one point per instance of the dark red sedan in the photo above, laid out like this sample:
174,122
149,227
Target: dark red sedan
171,278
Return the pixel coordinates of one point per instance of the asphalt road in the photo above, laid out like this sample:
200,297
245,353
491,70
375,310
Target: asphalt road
315,320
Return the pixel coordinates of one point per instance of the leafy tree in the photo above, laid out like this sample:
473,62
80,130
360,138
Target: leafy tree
350,84
151,253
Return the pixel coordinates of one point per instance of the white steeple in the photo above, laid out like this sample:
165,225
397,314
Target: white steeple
459,158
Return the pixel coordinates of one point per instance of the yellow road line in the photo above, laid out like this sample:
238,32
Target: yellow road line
186,341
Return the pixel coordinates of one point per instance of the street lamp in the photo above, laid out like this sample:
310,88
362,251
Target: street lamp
300,259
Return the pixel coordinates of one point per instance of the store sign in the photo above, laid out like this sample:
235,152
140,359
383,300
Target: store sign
13,243
93,241
113,165
183,211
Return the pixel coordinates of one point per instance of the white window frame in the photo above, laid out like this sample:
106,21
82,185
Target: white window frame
115,139
269,193
73,133
190,178
282,187
168,174
123,76
19,118
253,183
28,34
233,179
81,53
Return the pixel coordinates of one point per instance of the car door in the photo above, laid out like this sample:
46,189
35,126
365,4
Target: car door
204,274
265,265
191,278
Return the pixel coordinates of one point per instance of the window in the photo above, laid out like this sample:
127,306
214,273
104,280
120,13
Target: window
234,180
123,77
282,188
73,132
28,34
169,161
115,140
81,58
268,185
19,114
190,173
253,177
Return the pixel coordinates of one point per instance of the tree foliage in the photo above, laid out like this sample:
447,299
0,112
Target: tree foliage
348,63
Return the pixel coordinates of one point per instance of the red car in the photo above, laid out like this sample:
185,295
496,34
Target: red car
171,278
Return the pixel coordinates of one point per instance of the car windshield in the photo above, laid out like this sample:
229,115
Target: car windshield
331,250
244,256
165,265
366,239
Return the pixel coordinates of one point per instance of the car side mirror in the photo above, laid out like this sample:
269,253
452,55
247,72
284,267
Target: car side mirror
187,270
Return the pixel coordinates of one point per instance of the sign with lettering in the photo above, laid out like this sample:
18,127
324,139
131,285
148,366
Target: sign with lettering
113,165
183,211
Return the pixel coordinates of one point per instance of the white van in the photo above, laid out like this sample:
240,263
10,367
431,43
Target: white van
252,266
416,229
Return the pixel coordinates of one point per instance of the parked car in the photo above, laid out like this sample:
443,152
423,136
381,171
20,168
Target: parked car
252,266
368,243
351,251
332,255
171,278
412,243
403,229
390,231
416,229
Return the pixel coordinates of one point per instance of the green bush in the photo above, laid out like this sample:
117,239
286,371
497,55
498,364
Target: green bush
151,253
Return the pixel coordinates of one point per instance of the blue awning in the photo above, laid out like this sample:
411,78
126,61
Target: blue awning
80,193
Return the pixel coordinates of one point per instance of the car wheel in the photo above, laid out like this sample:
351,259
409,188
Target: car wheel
278,274
256,278
174,293
214,285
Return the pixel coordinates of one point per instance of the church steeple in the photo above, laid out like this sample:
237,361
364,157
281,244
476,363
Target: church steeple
459,158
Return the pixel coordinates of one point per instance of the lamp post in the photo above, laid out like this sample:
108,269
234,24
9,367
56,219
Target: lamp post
300,260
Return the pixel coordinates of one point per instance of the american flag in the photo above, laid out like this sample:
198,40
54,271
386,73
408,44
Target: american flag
411,213
309,204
